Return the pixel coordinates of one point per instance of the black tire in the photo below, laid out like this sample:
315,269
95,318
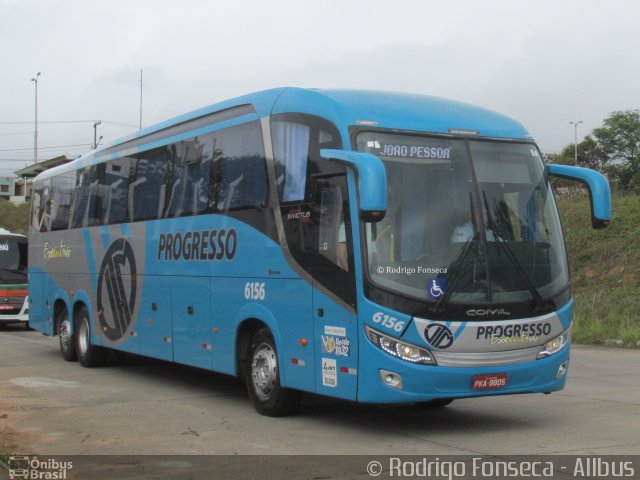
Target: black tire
66,337
436,403
262,377
89,355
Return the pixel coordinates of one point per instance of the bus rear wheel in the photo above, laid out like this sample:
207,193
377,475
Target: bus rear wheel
89,355
67,340
262,376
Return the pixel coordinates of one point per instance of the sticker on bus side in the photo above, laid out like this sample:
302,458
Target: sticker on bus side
329,372
338,346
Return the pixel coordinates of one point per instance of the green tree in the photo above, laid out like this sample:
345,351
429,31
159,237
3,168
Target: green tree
591,155
614,149
619,141
566,155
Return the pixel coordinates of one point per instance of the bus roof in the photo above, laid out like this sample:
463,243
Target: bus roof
402,111
346,108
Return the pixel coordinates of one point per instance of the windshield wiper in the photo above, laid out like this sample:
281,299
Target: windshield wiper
498,238
443,301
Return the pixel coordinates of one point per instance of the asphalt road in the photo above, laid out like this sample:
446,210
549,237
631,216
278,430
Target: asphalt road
138,406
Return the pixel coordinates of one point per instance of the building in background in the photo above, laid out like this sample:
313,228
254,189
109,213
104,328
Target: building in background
7,186
21,185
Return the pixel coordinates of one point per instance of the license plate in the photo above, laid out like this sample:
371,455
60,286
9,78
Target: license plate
485,382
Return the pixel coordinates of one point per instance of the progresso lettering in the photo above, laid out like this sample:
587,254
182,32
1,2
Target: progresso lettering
198,245
515,330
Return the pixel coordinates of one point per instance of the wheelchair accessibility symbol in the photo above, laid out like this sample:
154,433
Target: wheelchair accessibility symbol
437,287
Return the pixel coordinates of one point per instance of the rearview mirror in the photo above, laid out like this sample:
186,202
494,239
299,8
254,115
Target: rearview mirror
598,187
371,177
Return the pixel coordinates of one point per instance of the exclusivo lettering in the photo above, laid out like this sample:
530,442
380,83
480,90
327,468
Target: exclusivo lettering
198,245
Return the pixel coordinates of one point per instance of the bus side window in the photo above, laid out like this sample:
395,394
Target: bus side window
78,203
332,228
291,149
97,196
331,261
174,185
61,190
39,203
314,197
240,170
146,192
114,189
196,174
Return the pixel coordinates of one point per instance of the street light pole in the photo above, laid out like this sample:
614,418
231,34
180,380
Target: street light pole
140,99
575,140
35,133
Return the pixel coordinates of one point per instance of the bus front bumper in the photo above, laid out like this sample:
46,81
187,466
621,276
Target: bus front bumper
384,379
12,316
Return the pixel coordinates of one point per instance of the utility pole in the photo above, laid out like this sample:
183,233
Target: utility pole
35,132
95,133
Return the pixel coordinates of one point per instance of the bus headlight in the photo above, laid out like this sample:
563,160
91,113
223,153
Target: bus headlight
553,346
402,350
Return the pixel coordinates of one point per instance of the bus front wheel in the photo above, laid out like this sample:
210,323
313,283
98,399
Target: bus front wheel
67,340
89,355
262,376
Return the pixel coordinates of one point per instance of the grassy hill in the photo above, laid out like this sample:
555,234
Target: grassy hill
605,271
14,218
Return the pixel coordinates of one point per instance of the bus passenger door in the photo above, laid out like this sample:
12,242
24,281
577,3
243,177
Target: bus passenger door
332,267
192,326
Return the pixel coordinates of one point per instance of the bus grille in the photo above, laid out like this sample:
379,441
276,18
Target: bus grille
11,305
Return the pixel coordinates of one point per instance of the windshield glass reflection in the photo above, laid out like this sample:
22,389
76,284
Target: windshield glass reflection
474,221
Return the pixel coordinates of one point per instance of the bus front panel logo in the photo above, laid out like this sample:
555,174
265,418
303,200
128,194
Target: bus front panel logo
438,335
117,290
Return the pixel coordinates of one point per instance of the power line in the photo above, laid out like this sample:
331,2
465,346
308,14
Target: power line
120,124
44,148
48,121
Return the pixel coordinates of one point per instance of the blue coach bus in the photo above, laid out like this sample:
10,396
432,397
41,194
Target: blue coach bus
376,247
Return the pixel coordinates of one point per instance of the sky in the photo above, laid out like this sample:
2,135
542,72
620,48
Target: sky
543,62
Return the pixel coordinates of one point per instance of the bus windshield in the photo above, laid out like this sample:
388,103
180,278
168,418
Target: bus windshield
468,221
13,260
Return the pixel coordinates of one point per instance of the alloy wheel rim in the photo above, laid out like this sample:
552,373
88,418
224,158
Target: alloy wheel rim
65,334
264,371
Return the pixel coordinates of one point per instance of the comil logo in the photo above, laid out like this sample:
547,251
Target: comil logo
117,289
438,335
